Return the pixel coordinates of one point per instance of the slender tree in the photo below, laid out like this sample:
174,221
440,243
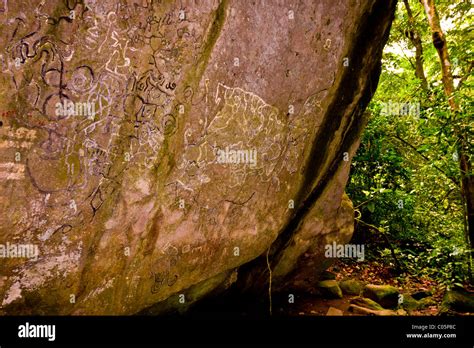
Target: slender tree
467,179
415,39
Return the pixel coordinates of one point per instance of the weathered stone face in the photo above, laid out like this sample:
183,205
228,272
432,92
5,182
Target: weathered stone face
150,149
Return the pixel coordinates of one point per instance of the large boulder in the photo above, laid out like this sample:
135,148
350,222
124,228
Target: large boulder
149,150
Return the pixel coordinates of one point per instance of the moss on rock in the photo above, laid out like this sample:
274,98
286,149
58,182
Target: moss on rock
385,295
351,286
329,289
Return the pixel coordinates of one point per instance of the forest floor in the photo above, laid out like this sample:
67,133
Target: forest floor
368,273
308,301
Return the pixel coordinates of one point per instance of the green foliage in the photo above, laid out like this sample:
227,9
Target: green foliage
405,176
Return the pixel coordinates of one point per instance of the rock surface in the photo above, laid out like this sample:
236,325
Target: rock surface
327,275
366,303
334,312
366,306
199,138
351,286
385,295
410,303
330,289
366,311
458,300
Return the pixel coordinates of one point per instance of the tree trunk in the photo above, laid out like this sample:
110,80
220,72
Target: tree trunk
439,42
415,39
